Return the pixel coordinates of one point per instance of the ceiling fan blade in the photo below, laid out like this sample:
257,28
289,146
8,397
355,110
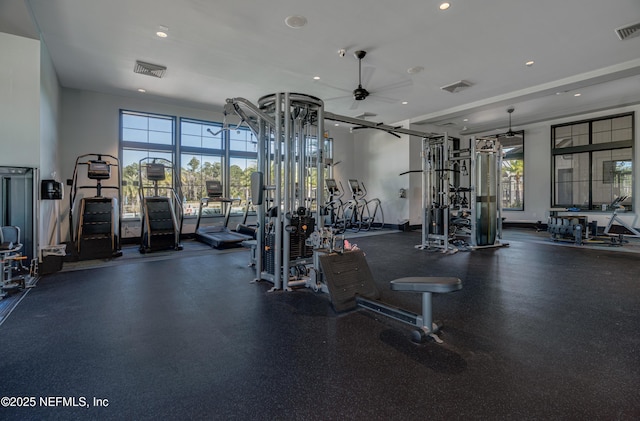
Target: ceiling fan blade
395,85
383,99
331,86
367,74
354,105
336,98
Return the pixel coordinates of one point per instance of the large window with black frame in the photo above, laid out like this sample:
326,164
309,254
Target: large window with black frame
207,152
202,153
142,135
592,162
243,160
513,171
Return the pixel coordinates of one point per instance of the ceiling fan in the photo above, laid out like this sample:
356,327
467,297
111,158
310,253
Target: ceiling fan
510,133
361,93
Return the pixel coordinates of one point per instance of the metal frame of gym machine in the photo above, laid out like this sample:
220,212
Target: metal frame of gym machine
439,161
283,167
285,125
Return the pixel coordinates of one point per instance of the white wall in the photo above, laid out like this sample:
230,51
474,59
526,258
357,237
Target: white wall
342,152
378,159
50,110
19,101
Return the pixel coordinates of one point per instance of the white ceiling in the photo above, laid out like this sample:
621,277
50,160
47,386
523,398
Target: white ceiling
242,48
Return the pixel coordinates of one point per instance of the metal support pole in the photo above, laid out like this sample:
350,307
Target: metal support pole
472,192
286,249
263,144
427,321
320,169
277,276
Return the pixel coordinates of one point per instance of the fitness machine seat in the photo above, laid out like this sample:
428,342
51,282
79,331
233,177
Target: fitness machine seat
350,283
427,286
439,285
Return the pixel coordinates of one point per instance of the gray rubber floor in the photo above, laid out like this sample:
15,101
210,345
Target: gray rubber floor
539,331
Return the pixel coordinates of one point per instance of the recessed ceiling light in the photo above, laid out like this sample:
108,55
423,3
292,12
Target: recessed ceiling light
415,69
405,102
465,120
529,63
316,78
445,5
142,90
336,124
578,94
295,21
162,31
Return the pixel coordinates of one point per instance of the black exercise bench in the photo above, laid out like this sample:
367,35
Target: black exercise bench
351,285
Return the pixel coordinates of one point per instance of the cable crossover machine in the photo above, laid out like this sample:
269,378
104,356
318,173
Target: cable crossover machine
461,194
293,246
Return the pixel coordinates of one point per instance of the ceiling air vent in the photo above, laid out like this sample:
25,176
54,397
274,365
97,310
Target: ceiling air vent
149,69
444,124
457,86
628,31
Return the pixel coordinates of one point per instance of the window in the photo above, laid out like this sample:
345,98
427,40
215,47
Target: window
243,161
209,153
204,152
513,172
194,172
593,162
240,170
142,135
201,159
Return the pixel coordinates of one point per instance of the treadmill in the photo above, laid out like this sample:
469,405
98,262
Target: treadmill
217,236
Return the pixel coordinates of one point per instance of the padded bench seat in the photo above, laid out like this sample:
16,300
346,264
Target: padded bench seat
438,285
426,285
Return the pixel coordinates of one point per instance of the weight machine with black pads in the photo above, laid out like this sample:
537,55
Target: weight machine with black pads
293,247
449,173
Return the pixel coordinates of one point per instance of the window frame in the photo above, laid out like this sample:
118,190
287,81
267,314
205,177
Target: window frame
146,147
518,157
590,148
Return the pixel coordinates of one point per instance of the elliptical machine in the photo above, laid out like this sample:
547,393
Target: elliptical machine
361,214
333,207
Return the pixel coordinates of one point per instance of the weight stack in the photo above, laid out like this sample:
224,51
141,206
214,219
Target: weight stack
269,254
304,226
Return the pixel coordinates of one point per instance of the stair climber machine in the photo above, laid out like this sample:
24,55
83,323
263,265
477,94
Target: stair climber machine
95,222
161,213
218,236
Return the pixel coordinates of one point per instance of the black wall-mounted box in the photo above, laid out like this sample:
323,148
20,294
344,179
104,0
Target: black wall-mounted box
51,190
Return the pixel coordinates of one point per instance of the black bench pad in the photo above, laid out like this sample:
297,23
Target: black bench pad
426,284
